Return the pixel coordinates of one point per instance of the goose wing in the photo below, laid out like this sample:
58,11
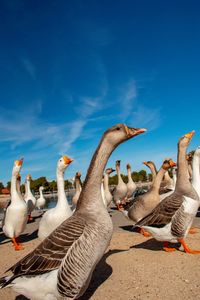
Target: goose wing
50,253
162,214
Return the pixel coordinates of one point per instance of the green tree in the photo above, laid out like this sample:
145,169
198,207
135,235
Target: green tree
8,185
1,186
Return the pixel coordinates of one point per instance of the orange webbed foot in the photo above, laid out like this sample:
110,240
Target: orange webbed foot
144,233
167,248
187,249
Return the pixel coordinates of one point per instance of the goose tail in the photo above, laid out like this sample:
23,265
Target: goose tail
4,281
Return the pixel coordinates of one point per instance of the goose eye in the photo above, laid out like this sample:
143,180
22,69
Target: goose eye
118,128
60,159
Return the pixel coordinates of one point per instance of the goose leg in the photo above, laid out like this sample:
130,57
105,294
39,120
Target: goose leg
144,233
17,246
167,248
187,249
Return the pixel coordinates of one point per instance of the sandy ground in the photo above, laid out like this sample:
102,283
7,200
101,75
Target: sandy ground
134,267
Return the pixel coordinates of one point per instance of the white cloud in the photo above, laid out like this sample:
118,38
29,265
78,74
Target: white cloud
127,99
29,67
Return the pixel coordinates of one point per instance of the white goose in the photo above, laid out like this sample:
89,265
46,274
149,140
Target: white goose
40,203
174,178
131,186
29,198
16,213
62,265
107,194
120,191
55,216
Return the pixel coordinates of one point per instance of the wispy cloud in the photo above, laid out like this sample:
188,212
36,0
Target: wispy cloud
127,98
29,67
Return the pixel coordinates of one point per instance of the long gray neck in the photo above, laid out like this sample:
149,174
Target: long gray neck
158,179
90,197
183,182
190,170
153,171
77,184
118,173
129,175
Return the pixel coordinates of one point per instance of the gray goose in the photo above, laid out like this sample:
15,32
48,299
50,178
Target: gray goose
62,265
107,194
170,221
120,191
150,164
145,203
78,187
131,186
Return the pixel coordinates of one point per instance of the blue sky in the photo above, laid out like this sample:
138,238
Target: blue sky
71,69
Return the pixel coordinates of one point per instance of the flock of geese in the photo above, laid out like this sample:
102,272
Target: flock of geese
74,239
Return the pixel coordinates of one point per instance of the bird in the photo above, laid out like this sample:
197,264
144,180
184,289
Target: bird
62,265
150,164
131,186
78,187
29,198
145,203
40,203
171,219
107,193
16,213
120,191
53,217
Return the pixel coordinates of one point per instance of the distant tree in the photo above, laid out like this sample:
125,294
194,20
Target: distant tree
53,186
35,184
68,184
135,176
150,177
8,185
142,175
1,186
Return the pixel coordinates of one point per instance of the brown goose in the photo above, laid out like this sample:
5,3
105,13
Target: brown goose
170,221
189,157
131,186
152,167
62,265
78,187
145,203
120,191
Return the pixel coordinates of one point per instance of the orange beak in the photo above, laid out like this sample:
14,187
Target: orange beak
172,164
78,174
19,162
145,163
67,160
190,134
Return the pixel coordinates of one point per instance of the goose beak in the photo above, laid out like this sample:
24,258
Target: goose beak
131,132
190,134
172,164
67,160
19,162
78,174
145,163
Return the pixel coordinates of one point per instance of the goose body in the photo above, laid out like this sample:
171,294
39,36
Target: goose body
62,265
41,200
16,213
78,188
29,198
163,196
145,203
120,191
171,220
53,217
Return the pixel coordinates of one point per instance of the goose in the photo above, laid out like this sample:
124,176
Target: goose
168,182
62,265
40,203
164,195
152,167
120,191
29,198
53,217
16,213
189,158
171,220
78,187
131,186
145,203
107,193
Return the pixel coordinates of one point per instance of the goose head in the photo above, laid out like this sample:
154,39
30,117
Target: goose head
128,166
168,163
120,133
28,177
185,140
109,171
64,162
78,175
41,188
148,163
189,156
17,167
118,162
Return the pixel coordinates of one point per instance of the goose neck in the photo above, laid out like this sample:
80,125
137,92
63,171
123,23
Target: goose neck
106,181
182,169
196,174
14,194
129,174
158,179
62,199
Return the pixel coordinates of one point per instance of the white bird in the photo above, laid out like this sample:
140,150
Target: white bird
61,266
131,186
107,194
16,213
53,217
40,203
120,191
29,198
